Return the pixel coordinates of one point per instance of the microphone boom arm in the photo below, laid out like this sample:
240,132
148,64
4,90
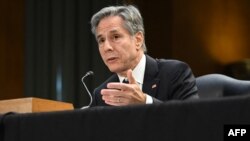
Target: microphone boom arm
90,96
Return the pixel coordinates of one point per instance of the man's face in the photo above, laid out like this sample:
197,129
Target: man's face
119,50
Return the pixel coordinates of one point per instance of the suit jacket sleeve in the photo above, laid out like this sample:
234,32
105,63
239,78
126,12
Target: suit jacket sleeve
182,82
176,81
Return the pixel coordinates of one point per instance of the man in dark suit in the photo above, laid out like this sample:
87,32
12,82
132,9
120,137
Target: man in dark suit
119,32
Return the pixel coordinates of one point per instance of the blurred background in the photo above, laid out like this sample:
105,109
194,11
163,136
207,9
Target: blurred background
46,46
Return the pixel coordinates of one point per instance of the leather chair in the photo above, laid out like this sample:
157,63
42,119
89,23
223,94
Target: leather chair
219,85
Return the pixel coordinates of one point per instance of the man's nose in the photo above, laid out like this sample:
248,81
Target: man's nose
107,46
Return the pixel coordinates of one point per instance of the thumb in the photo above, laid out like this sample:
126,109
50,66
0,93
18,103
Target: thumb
130,77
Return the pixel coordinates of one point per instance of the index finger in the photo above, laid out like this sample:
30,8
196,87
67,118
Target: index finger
119,86
130,77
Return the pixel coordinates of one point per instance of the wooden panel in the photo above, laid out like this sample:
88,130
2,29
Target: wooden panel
210,34
30,105
11,48
207,34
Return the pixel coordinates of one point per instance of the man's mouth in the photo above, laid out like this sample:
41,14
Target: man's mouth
111,59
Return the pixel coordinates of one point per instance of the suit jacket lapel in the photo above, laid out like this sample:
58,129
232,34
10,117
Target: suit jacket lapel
113,78
151,82
99,101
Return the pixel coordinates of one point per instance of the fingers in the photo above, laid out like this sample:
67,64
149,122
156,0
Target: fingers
113,97
119,94
115,101
112,92
130,77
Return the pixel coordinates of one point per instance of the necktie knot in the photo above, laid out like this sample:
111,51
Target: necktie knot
125,81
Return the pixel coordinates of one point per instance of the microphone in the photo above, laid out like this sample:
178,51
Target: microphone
90,96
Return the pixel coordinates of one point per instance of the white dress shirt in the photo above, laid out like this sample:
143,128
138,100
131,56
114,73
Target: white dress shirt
138,73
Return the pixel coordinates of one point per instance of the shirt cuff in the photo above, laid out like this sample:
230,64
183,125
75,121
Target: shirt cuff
149,99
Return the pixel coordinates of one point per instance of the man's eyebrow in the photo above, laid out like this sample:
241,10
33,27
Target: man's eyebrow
112,31
98,36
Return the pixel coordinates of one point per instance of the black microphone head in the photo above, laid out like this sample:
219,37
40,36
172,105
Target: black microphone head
89,73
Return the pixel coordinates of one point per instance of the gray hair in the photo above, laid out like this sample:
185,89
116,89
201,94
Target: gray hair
130,14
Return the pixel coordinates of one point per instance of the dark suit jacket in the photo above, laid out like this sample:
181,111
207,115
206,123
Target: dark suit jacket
163,80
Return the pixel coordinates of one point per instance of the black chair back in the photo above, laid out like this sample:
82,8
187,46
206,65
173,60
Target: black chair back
219,85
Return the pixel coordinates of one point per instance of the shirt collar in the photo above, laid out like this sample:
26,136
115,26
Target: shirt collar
138,71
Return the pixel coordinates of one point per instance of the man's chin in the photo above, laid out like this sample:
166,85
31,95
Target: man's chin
118,70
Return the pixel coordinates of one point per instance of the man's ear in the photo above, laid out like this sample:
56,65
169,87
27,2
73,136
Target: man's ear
139,38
